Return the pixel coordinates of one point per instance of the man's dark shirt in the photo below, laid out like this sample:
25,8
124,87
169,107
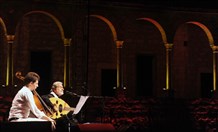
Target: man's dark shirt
46,99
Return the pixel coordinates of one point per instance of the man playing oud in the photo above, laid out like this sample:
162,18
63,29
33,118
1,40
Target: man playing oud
56,91
62,112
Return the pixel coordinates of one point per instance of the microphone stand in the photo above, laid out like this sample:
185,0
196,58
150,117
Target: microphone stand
102,102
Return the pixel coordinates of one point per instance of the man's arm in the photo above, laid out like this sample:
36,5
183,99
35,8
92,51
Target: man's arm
47,101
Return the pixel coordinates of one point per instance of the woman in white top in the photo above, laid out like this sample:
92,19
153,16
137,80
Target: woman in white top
23,104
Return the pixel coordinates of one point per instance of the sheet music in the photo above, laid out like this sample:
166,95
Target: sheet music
80,104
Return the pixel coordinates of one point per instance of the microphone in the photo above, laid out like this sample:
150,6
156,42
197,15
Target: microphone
72,94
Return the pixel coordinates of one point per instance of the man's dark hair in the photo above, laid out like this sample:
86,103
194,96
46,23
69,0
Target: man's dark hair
31,77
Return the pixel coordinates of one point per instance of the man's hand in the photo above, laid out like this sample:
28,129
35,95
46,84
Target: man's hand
55,108
53,125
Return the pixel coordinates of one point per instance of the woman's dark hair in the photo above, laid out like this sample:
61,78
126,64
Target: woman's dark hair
31,77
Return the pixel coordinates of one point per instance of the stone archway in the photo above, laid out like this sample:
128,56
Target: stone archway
192,43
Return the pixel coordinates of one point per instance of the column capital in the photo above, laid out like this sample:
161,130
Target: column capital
215,49
10,38
168,46
67,41
119,43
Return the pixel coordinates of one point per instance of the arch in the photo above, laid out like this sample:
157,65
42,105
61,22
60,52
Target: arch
214,48
187,52
205,29
66,42
119,45
168,50
53,18
5,34
3,25
111,26
59,31
162,32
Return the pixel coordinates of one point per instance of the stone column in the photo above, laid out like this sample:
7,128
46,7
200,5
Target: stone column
215,51
119,45
67,43
168,88
10,73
